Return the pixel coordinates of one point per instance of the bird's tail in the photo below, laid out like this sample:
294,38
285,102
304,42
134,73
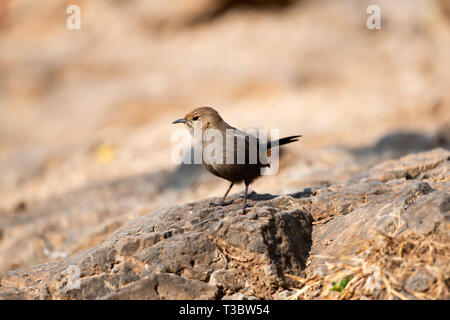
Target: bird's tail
282,141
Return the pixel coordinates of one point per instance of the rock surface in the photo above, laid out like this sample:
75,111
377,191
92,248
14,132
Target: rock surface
204,251
198,250
398,196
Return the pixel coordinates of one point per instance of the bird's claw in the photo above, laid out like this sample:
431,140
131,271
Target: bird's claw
245,206
220,203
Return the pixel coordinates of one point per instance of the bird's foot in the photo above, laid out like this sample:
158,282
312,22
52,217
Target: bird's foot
245,206
220,203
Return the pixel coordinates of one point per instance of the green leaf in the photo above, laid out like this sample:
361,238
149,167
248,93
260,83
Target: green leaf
340,285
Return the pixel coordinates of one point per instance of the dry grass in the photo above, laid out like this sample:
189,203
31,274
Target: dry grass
380,269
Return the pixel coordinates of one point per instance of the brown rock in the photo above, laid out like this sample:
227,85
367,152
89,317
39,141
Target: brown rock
397,206
195,251
203,251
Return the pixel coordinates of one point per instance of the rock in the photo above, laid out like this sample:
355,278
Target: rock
409,167
409,195
239,296
420,281
203,251
352,212
165,286
231,280
194,251
283,295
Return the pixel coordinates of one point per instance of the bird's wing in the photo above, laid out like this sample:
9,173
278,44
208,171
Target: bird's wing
245,147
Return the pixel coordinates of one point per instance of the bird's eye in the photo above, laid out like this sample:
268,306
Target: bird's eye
195,118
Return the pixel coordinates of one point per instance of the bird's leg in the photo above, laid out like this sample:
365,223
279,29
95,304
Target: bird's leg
223,203
245,197
226,193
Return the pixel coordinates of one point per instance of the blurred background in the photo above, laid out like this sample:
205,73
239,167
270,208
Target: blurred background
85,115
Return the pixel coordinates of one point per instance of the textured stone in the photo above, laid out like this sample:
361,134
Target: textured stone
195,251
240,296
419,281
203,251
349,214
283,295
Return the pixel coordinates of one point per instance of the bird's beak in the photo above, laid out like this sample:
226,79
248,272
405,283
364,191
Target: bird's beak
179,121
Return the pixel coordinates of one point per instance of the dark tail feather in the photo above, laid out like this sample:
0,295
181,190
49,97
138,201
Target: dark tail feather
282,141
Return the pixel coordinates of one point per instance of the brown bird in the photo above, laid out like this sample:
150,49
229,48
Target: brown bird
247,169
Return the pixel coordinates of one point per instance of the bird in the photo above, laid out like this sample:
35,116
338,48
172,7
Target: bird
234,171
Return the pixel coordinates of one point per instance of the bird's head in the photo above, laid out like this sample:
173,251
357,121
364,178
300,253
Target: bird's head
204,117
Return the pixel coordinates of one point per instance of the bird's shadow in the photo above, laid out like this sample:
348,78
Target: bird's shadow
254,196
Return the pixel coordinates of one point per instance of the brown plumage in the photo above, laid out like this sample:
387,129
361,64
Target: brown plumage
208,118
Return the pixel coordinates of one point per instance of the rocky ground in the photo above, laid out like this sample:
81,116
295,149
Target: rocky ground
85,149
284,246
